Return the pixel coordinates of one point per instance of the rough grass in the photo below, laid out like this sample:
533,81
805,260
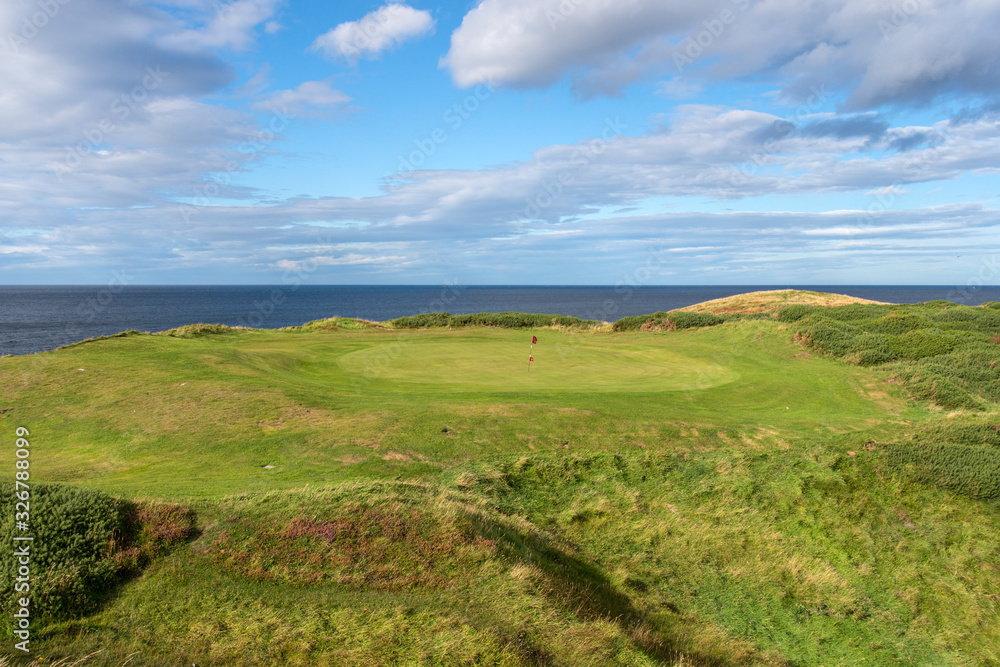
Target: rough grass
334,324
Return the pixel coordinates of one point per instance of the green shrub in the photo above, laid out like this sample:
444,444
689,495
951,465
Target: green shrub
831,336
795,313
668,321
687,320
895,323
975,369
921,343
84,543
872,349
992,305
936,387
422,321
519,320
657,320
946,353
980,319
502,320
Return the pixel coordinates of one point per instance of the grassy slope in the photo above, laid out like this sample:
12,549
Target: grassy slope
432,502
771,301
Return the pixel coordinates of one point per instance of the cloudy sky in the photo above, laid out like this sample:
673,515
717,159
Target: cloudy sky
504,142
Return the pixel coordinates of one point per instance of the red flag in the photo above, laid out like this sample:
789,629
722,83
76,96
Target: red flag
531,358
534,340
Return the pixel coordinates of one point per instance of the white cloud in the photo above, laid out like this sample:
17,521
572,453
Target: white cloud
385,28
312,99
534,42
232,25
349,259
875,51
119,204
887,191
101,109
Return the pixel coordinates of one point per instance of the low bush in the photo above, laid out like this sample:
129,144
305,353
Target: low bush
84,544
519,320
944,352
921,343
668,321
422,321
502,320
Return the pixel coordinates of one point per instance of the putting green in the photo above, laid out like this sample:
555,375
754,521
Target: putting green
498,361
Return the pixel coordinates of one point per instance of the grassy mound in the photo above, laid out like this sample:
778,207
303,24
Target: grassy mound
372,544
198,330
121,334
334,324
771,301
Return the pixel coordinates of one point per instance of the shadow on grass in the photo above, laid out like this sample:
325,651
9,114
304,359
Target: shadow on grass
586,592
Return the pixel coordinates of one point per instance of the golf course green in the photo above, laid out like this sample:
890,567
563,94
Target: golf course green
485,360
357,493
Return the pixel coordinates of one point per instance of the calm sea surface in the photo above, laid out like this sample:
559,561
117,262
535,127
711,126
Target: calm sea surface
33,319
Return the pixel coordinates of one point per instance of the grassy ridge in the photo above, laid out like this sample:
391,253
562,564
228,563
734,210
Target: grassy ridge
771,301
369,493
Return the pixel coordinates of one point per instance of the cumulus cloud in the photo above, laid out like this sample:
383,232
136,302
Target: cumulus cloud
102,107
877,52
380,30
114,203
534,42
105,154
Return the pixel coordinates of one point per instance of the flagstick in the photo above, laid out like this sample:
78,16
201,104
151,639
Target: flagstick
530,352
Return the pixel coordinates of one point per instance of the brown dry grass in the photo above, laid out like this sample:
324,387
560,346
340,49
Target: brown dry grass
771,301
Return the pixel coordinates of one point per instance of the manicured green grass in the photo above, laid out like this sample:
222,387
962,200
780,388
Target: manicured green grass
710,496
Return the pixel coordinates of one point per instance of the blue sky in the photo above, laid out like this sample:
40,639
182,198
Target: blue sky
500,142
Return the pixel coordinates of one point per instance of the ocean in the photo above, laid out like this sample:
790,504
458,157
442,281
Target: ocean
37,318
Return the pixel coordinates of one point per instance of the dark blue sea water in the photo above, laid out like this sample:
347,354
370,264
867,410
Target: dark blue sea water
39,318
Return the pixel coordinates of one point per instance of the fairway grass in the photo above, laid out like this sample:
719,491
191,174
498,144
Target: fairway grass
709,496
200,418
